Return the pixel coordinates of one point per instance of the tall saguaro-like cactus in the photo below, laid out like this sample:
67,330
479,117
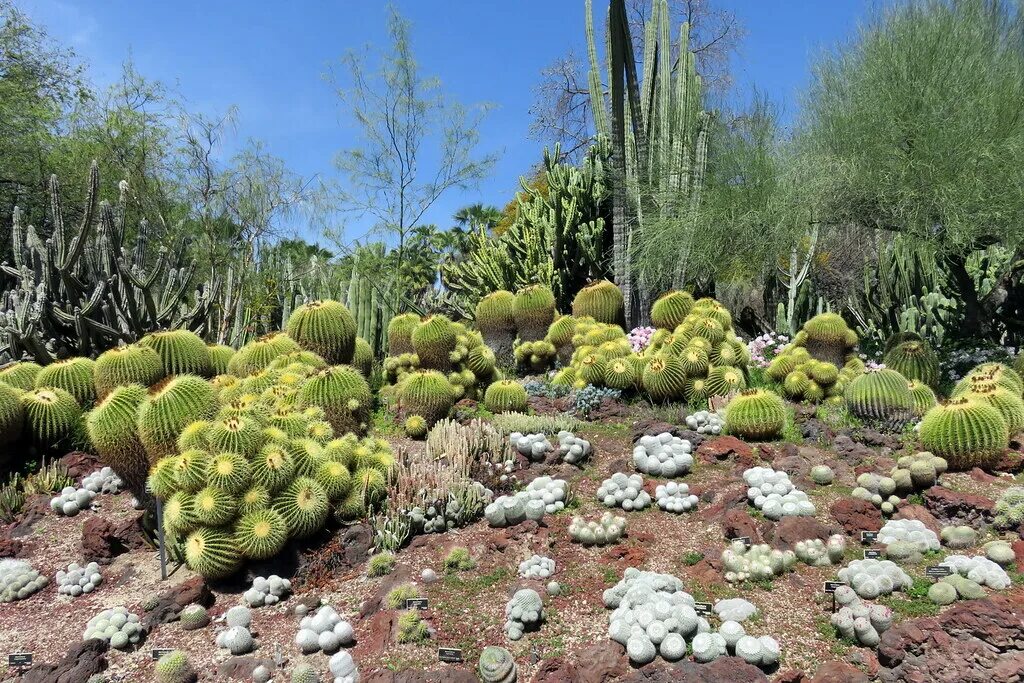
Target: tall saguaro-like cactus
658,132
82,293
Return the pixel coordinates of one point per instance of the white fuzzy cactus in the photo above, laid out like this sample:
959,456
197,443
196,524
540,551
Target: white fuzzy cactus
573,449
756,562
735,609
267,591
541,496
858,621
237,640
818,553
979,569
705,422
343,668
524,612
675,497
624,491
325,630
18,580
103,480
534,446
76,580
909,531
873,578
537,567
772,493
119,627
71,501
662,455
604,531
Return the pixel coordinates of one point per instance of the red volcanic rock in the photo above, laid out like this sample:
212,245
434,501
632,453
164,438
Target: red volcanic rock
953,507
725,448
792,529
737,523
921,514
839,672
103,539
973,641
856,515
78,463
450,674
83,660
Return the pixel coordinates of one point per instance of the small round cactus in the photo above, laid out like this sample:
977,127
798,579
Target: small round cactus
174,667
822,475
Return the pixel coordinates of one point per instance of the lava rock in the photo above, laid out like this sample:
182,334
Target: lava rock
856,515
103,539
83,660
839,672
953,507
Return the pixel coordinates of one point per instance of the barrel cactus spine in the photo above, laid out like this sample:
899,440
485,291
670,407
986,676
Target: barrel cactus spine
327,328
182,352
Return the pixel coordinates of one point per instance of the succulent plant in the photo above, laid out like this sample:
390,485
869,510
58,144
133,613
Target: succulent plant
664,378
167,410
774,495
670,309
822,475
675,497
326,328
624,491
756,414
18,580
12,414
915,360
724,379
118,627
123,365
602,301
344,396
273,467
880,395
220,358
181,352
400,333
73,375
497,666
605,530
1001,374
860,622
20,375
495,318
965,432
819,553
1009,404
237,640
380,564
261,534
917,472
428,394
304,506
524,612
541,496
174,667
1009,508
362,357
662,455
267,591
193,617
212,552
534,311
741,562
958,537
51,415
1000,552
305,673
505,396
872,578
828,338
260,353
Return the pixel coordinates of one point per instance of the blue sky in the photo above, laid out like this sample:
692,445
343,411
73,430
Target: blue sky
268,58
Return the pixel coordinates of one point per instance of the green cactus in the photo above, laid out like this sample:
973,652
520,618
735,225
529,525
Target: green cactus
12,414
181,352
114,433
434,341
261,534
344,396
534,310
827,338
174,667
880,395
592,368
273,467
602,301
400,333
334,477
220,357
259,353
212,506
253,498
724,379
416,427
190,470
212,552
1009,404
229,472
756,414
670,309
362,357
132,364
326,328
51,416
304,506
965,431
167,410
426,393
73,375
505,396
620,374
236,434
162,481
915,360
664,379
380,564
496,321
922,397
20,375
179,514
1003,375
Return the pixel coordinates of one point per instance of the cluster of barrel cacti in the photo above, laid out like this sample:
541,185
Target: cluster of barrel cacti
433,363
820,362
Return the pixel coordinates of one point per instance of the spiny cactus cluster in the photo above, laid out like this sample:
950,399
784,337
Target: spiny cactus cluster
880,395
71,501
103,480
237,638
819,553
732,639
906,540
857,621
497,666
194,617
755,562
822,475
18,580
774,495
873,578
76,579
652,615
624,491
734,609
537,567
979,569
117,626
542,495
914,358
917,472
662,455
523,613
878,490
675,497
958,537
174,667
820,362
605,530
1009,508
267,591
343,667
756,414
965,431
705,422
324,631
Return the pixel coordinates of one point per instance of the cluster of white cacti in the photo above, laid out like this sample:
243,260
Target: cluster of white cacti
774,494
537,567
858,621
103,480
732,638
979,569
819,553
1000,552
267,591
760,561
18,580
343,668
675,497
77,580
325,630
734,609
534,446
872,578
71,501
906,540
878,490
237,637
957,537
524,612
705,422
662,455
542,495
604,531
624,491
118,627
573,449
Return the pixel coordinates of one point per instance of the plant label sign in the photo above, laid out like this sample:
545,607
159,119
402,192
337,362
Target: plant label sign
831,586
449,655
19,660
158,652
743,539
868,537
417,603
872,554
938,571
703,608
